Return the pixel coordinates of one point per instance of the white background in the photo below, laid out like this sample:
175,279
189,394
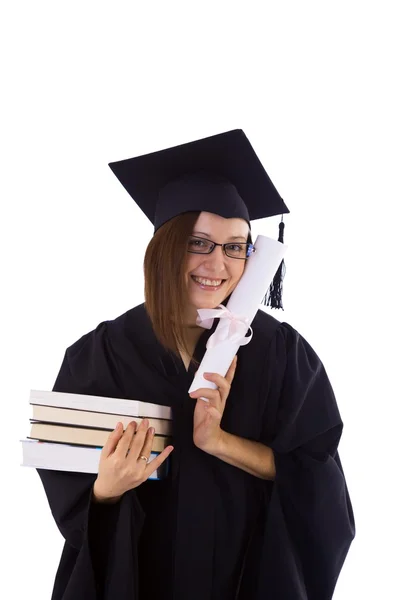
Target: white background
314,85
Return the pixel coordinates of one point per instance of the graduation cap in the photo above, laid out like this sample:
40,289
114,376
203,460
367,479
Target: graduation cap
220,174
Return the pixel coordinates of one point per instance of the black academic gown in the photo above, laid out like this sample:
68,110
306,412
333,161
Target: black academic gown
210,531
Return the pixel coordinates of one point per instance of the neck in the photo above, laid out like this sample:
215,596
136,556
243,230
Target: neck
190,318
192,331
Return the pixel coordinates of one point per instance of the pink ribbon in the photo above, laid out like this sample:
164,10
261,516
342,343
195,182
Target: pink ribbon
235,332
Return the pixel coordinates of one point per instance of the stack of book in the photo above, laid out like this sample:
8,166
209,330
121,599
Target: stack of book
68,431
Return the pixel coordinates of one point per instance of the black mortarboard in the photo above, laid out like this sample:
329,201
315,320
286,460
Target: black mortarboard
220,174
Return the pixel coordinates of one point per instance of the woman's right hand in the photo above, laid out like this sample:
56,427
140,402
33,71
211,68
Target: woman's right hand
121,468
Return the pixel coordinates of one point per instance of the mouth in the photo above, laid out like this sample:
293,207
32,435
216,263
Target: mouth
210,285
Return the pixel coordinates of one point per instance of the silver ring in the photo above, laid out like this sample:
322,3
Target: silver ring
143,457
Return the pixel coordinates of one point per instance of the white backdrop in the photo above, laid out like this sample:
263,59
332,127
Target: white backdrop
314,85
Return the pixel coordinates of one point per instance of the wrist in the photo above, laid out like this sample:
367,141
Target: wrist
99,498
220,448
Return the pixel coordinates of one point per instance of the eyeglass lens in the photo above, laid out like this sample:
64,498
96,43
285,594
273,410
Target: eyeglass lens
203,246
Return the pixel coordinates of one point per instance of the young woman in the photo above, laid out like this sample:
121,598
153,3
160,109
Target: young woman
255,505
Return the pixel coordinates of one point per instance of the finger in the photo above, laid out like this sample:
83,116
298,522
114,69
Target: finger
209,395
138,440
223,388
223,382
220,382
147,445
158,460
211,412
214,414
112,440
126,440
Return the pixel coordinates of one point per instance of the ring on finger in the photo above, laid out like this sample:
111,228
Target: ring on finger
143,457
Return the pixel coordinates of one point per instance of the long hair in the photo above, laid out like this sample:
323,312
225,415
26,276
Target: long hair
165,287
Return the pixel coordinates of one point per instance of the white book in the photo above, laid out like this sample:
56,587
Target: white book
82,436
86,418
115,406
78,459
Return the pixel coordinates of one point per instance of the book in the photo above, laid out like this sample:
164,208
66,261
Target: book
78,459
113,406
70,416
82,436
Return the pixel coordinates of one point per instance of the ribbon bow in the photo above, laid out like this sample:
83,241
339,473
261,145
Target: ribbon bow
234,331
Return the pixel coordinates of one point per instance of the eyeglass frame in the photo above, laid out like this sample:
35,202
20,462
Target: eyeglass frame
250,250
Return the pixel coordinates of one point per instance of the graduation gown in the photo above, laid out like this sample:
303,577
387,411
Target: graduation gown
209,531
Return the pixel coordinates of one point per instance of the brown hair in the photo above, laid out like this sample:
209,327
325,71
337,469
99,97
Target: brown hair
165,288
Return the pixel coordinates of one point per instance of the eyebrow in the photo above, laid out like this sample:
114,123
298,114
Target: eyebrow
232,237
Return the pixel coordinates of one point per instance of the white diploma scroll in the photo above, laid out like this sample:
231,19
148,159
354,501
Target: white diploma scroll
237,316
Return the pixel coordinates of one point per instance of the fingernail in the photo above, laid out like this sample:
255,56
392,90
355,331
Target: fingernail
152,430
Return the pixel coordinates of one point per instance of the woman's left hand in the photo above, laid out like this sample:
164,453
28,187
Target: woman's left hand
207,432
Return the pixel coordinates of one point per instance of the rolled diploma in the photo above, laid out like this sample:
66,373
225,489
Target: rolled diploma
244,301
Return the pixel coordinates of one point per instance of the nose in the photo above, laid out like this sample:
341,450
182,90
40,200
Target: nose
216,261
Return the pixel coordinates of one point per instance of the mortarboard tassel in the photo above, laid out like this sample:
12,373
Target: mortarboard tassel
273,297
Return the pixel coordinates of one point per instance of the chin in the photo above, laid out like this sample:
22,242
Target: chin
211,302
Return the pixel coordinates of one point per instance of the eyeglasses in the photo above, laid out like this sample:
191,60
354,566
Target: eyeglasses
240,250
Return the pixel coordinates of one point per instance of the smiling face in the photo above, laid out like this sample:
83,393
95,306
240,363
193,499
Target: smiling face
210,278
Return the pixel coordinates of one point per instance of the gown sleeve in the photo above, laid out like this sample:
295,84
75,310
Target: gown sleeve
307,524
99,559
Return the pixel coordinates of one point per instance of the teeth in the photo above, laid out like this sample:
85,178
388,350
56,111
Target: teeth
211,282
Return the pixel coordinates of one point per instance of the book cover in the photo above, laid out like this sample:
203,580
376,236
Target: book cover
82,436
79,459
83,418
119,406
